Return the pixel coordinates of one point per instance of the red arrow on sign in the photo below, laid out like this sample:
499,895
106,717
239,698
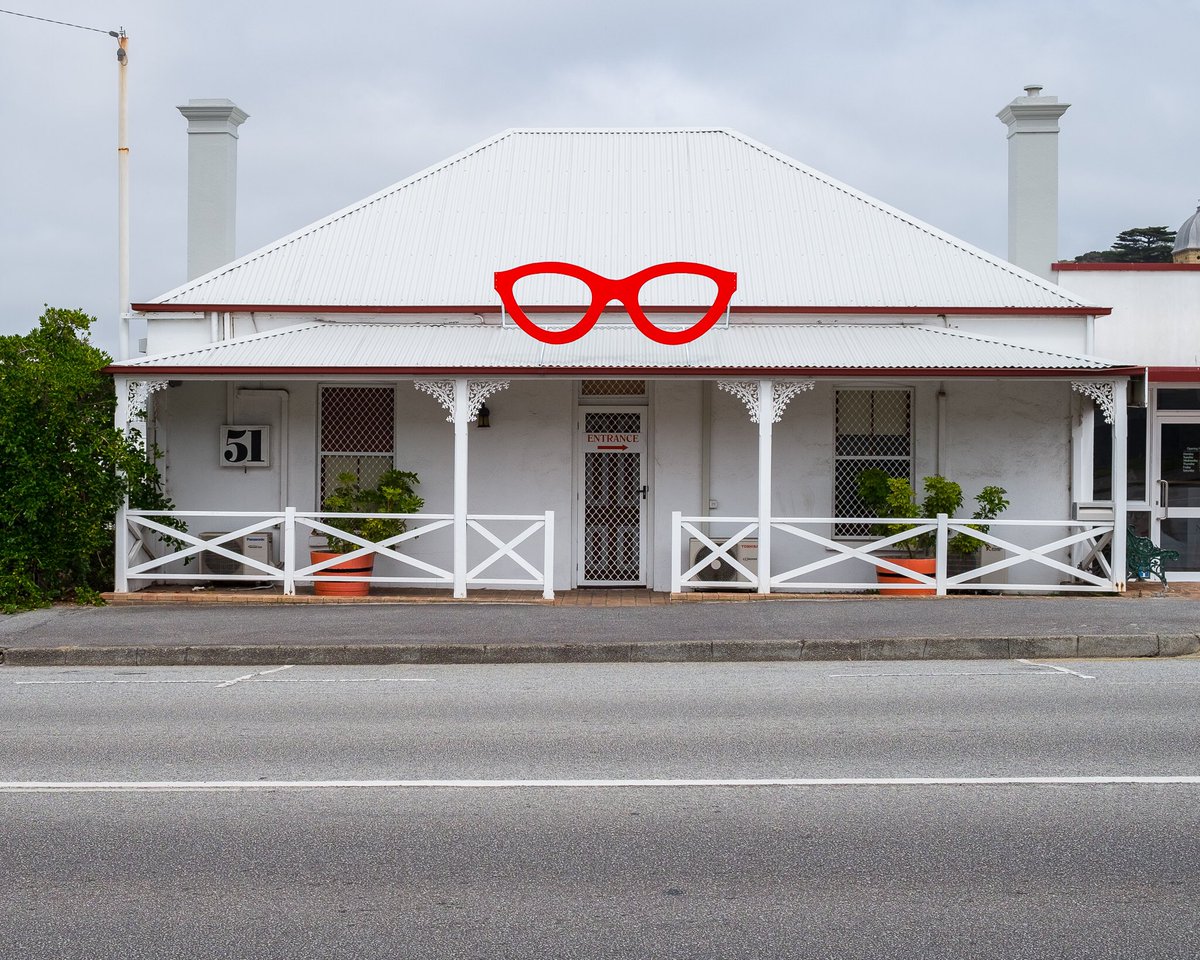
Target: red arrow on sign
614,447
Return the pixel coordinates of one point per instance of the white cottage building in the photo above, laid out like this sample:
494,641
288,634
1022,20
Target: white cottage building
857,336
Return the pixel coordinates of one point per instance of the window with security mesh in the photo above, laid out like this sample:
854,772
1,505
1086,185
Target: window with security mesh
872,428
358,430
612,388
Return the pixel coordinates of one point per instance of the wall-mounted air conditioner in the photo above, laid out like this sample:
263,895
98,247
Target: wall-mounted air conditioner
254,546
719,571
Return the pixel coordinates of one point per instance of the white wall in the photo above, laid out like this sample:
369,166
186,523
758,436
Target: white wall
1155,314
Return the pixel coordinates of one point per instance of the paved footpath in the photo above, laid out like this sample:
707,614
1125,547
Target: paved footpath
810,628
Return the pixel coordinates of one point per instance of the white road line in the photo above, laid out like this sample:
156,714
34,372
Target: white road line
194,786
30,683
346,680
251,676
1074,673
949,673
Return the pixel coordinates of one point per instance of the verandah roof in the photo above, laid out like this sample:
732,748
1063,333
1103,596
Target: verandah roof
356,348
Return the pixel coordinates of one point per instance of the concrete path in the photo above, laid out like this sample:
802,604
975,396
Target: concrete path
810,628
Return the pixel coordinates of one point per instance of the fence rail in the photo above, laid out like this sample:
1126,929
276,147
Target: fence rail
1058,541
161,545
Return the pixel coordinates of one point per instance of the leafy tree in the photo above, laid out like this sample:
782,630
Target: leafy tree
1137,245
64,467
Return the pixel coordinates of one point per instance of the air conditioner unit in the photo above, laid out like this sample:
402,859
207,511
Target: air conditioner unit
720,572
254,546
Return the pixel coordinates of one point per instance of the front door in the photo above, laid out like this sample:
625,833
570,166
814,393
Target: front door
1176,497
613,497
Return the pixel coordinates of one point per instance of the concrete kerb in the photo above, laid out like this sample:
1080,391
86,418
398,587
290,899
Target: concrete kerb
690,651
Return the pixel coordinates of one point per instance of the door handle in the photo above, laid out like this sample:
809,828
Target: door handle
1164,497
645,489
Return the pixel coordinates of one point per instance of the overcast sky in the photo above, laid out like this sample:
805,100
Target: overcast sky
896,99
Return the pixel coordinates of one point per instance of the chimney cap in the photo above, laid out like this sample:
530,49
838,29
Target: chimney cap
213,115
1033,90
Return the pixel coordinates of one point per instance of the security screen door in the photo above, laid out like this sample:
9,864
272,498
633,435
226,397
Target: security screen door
613,497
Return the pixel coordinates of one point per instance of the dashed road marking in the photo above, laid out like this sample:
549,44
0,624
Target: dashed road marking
1052,666
251,676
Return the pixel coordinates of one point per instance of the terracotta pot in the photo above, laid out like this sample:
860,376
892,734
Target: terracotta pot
925,565
359,566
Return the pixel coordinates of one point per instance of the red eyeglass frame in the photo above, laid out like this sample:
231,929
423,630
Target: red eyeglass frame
605,290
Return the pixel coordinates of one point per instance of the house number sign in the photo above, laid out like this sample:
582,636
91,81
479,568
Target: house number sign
245,446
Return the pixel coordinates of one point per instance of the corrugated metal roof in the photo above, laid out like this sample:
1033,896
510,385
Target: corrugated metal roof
616,201
341,346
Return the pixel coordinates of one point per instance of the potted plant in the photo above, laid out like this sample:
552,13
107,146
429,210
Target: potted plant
394,493
966,552
894,497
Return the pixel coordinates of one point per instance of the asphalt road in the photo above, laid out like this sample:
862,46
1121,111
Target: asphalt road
483,865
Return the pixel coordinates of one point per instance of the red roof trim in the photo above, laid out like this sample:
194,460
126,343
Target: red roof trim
1150,267
1174,374
1082,311
283,373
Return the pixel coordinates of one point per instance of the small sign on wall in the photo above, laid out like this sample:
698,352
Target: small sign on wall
245,446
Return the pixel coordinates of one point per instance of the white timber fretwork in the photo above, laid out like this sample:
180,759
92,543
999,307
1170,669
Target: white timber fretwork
1100,392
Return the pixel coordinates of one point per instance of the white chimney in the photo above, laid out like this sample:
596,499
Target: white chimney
212,182
1032,122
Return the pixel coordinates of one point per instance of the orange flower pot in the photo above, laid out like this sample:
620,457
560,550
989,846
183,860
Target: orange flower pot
925,565
358,567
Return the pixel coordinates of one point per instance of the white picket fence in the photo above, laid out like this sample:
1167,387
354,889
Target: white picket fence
1063,559
154,550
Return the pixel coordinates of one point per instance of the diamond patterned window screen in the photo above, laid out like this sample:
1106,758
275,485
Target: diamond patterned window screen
612,505
873,428
358,429
612,388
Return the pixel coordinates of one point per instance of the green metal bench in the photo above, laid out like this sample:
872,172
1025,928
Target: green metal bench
1144,560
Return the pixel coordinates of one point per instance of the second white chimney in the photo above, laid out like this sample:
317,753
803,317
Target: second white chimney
1032,122
212,182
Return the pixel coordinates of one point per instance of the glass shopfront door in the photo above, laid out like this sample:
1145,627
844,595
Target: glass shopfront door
1176,498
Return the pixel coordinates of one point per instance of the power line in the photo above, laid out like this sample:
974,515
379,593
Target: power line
63,23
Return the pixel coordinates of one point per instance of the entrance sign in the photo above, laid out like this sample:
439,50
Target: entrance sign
604,291
598,442
245,446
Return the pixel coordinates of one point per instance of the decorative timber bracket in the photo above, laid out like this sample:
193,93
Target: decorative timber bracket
477,393
1101,392
782,392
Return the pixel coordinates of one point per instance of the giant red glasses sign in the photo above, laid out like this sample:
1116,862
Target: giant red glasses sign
605,291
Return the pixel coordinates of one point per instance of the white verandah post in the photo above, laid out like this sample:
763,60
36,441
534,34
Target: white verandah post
462,415
1120,482
121,422
766,422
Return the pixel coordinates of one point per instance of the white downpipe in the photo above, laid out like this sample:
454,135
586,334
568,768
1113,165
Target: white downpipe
1120,434
766,419
940,465
461,412
121,422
